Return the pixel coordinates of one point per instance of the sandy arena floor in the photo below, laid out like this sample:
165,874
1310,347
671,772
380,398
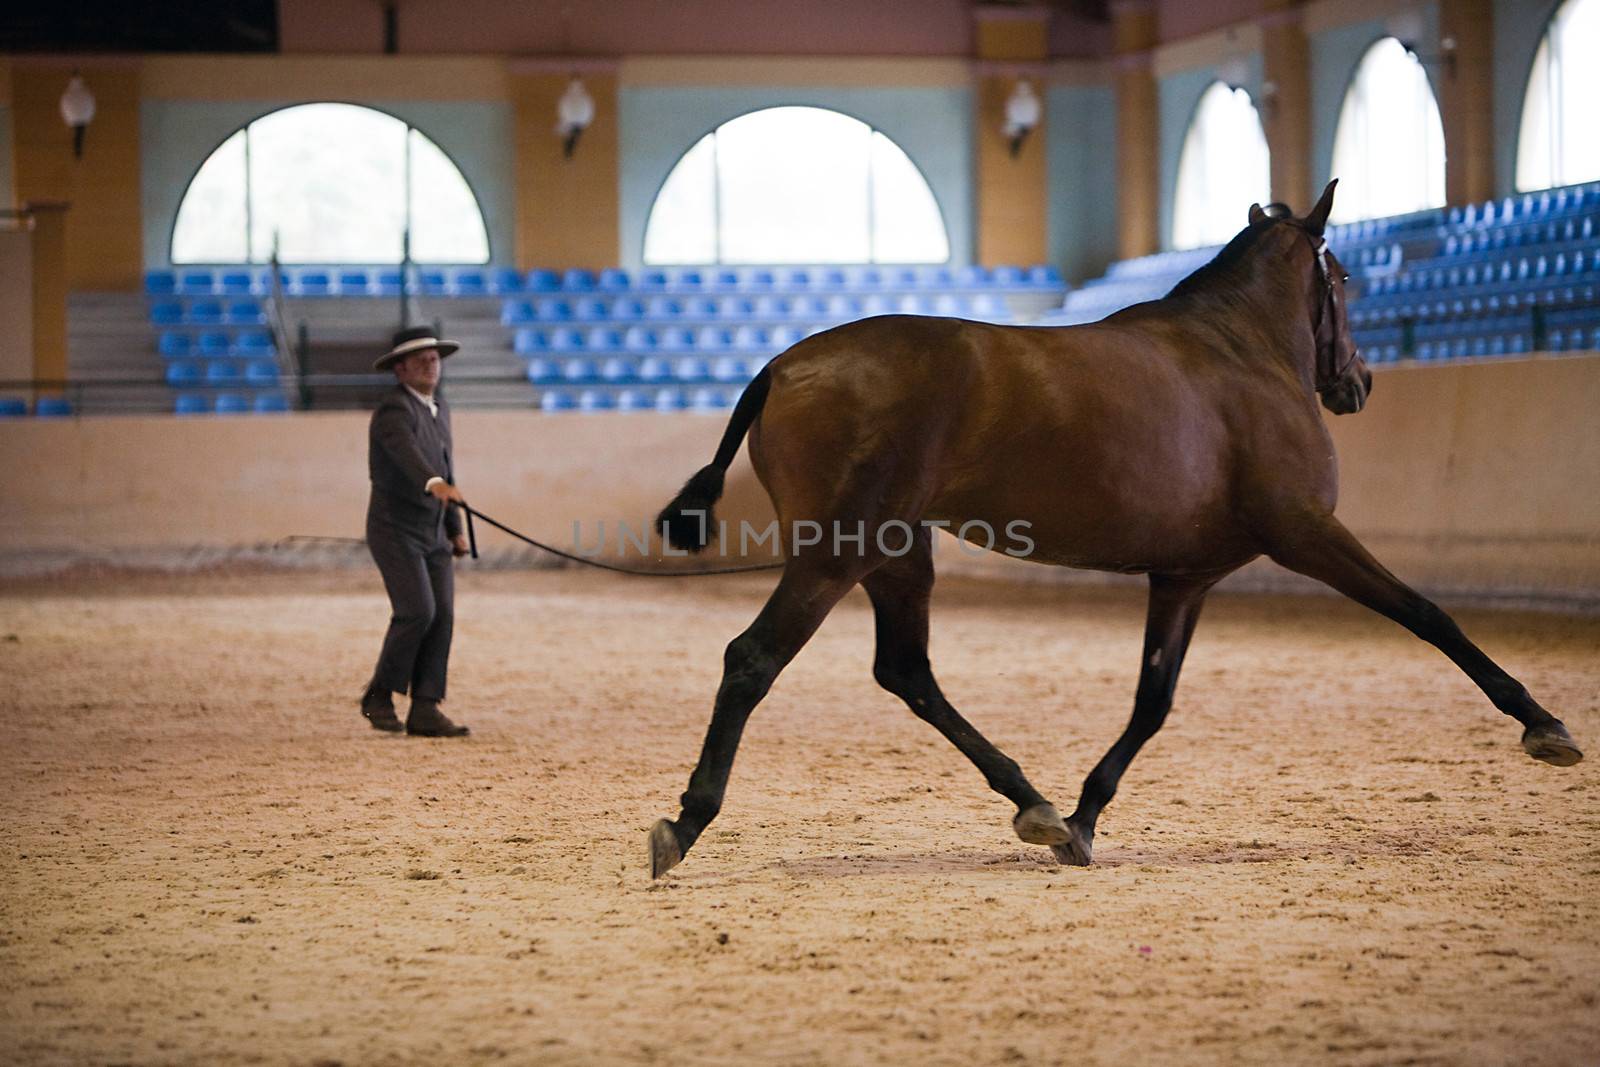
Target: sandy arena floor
1336,852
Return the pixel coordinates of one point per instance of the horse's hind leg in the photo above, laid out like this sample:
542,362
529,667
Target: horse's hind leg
900,590
751,663
1173,611
1321,547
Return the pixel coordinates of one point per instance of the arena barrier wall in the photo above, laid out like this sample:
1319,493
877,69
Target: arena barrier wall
1464,478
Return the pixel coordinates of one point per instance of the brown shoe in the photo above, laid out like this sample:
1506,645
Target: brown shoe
377,707
426,720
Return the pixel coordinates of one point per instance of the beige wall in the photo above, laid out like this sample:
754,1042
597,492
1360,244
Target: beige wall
16,304
1471,477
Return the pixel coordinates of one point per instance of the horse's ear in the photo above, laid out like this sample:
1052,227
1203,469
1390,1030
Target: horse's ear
1256,214
1318,218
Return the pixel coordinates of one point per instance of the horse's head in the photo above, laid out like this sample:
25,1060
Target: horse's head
1339,374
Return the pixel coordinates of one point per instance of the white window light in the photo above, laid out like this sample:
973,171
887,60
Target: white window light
1223,169
1388,149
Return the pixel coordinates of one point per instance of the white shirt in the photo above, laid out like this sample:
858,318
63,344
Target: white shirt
433,409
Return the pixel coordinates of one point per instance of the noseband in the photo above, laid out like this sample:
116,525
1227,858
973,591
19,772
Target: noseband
1326,307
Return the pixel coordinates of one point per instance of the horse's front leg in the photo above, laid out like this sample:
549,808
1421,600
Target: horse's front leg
1318,545
1174,609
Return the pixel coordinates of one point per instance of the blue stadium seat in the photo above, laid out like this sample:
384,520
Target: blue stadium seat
578,371
832,278
626,310
1045,276
387,283
675,339
876,304
653,281
232,404
915,304
556,400
222,373
553,311
160,283
654,369
794,279
254,343
52,407
529,342
973,277
191,404
699,308
543,371
433,282
770,307
687,280
565,339
544,281
578,281
667,400
640,339
313,283
613,280
603,339
213,344
271,403
1007,277
166,313
591,309
723,280
713,339
505,280
708,399
808,307
174,344
736,308
196,283
843,308
470,283
205,313
935,277
663,307
236,283
730,369
244,313
261,373
516,313
633,400
353,282
181,373
751,339
784,337
691,369
617,370
596,400
758,281
901,278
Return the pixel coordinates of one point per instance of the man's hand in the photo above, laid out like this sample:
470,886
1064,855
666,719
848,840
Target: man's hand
458,546
448,493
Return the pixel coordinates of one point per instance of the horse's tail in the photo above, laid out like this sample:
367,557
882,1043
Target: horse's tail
686,523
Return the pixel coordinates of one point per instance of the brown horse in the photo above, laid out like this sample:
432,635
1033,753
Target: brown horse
1177,438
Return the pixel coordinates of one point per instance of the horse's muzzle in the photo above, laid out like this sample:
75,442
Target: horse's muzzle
1349,394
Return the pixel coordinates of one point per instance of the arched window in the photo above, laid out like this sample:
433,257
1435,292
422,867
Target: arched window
330,183
1388,152
795,185
1558,145
1222,170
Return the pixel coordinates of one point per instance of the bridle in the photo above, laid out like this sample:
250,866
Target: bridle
1327,306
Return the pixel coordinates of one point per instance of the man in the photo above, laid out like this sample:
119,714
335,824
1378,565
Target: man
413,530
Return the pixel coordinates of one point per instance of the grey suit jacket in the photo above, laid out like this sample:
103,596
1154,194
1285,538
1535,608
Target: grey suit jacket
406,445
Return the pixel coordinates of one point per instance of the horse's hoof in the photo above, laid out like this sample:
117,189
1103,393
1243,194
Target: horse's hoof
1552,744
665,853
1041,825
1077,850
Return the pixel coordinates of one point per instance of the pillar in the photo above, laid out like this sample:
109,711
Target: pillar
1013,192
50,283
1285,105
1464,80
566,209
1133,24
105,230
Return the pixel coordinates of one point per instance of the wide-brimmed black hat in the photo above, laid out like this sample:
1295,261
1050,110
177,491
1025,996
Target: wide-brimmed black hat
413,339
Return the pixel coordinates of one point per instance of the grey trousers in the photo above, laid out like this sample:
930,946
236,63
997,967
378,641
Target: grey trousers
420,581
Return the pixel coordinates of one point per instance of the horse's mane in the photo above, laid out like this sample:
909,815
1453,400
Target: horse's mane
1221,266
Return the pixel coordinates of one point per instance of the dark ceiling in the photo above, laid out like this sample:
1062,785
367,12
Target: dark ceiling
134,26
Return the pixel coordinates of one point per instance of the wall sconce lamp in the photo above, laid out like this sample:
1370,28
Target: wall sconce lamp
77,111
574,113
1407,28
1023,112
